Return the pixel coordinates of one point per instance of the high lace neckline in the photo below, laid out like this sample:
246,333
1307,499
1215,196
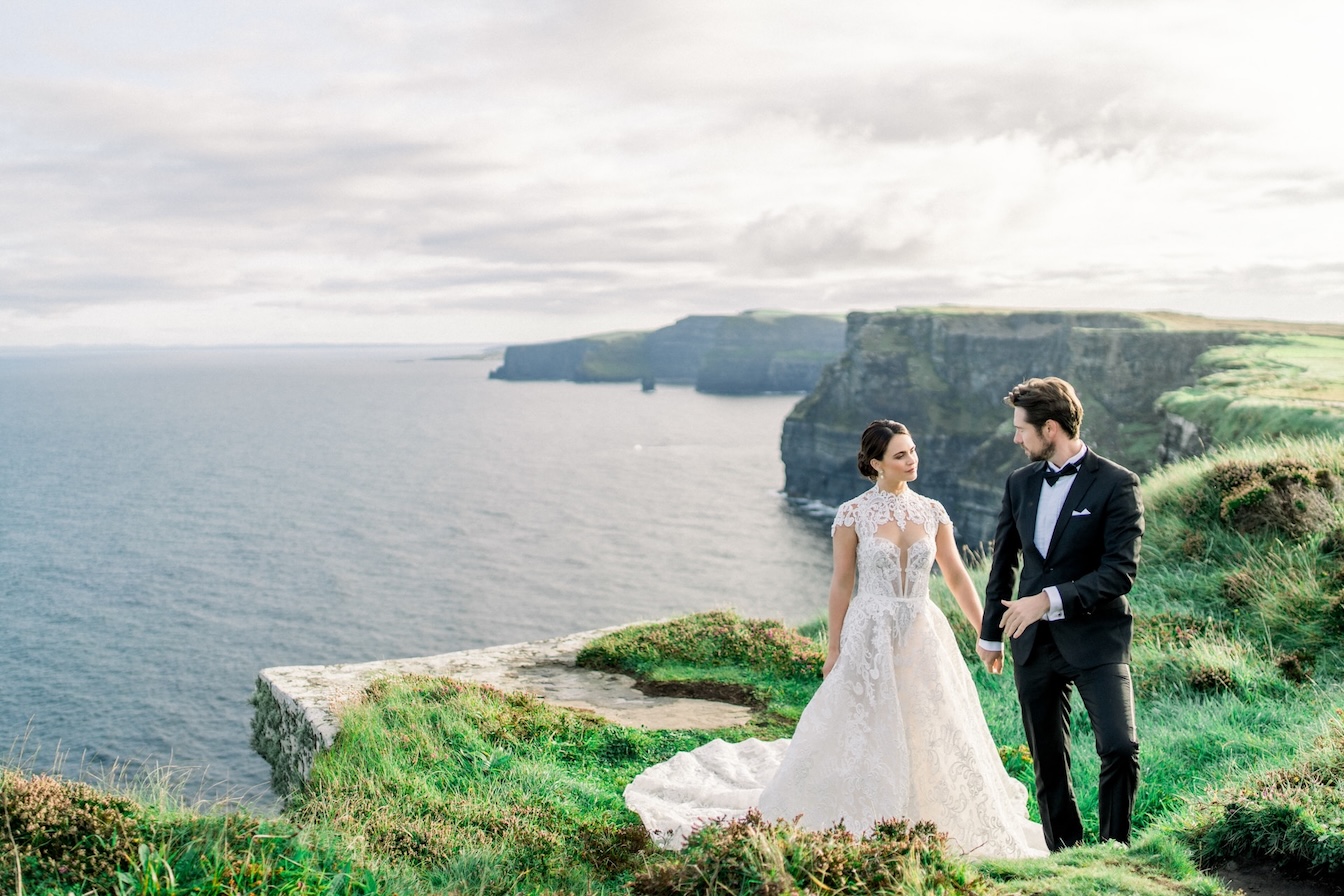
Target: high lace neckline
906,492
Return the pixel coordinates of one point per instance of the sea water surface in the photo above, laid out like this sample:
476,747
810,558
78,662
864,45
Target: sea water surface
174,521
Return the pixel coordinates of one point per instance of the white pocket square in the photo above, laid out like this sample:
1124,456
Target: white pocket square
1083,512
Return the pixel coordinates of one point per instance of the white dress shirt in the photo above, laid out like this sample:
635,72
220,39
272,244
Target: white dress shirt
1047,514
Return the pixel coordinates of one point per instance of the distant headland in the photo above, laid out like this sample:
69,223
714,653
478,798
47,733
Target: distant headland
1158,387
747,354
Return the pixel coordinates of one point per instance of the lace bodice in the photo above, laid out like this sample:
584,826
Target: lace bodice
896,542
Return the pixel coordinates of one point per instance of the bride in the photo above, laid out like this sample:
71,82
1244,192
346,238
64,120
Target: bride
895,730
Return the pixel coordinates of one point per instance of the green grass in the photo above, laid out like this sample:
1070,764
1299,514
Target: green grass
1289,385
436,786
1154,866
1292,814
480,789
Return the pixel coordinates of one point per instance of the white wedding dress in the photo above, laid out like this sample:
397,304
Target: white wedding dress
894,731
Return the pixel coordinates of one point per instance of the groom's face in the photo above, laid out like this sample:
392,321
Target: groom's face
1032,440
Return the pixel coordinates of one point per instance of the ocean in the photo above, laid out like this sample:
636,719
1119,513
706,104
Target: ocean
174,521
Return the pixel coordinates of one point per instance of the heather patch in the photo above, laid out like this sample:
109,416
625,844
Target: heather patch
63,830
753,857
1284,495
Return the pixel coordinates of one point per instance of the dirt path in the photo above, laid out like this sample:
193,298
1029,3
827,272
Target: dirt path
1266,880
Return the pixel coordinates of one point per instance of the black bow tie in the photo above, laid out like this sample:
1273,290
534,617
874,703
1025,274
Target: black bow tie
1051,477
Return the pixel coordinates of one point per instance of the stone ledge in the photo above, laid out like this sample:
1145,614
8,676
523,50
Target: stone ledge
298,708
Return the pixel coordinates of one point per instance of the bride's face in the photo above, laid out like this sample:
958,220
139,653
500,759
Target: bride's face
900,462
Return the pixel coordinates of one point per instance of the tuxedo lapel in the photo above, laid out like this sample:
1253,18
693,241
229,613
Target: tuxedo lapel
1031,500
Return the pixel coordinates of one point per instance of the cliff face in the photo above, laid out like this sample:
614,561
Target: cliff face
775,353
617,357
675,353
944,375
747,354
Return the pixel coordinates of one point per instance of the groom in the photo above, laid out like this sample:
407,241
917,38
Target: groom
1075,520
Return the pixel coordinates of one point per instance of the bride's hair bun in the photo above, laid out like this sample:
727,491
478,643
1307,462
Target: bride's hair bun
873,444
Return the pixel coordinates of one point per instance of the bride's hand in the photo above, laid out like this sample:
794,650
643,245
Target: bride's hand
993,660
828,665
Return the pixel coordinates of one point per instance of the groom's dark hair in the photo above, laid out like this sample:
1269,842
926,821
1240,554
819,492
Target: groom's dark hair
1048,398
873,445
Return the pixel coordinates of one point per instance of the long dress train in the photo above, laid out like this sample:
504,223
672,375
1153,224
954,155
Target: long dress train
894,731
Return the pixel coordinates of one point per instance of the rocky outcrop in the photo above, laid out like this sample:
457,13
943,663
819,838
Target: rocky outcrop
746,354
298,708
1181,438
944,374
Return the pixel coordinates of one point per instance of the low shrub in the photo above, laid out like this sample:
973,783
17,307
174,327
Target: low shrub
1241,588
753,857
65,837
58,830
1296,666
1280,495
1329,482
1195,545
1231,476
1235,505
1332,543
1210,679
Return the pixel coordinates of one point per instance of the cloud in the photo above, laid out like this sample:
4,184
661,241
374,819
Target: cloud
305,168
801,242
1307,189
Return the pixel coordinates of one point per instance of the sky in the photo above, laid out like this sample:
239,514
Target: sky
507,172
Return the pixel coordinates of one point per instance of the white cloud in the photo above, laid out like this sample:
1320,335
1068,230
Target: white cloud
506,171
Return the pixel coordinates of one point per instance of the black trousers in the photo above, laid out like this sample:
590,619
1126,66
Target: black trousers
1045,684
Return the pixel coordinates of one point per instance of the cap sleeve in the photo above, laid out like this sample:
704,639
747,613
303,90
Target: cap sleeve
847,515
939,513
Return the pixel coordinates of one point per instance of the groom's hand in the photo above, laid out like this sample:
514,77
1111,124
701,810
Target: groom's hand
1020,613
993,659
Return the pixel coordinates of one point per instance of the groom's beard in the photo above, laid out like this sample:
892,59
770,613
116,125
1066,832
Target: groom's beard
1044,454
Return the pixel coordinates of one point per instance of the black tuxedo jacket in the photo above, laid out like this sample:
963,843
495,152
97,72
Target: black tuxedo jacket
1092,559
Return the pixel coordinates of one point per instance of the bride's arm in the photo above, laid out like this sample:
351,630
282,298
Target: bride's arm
844,549
957,578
